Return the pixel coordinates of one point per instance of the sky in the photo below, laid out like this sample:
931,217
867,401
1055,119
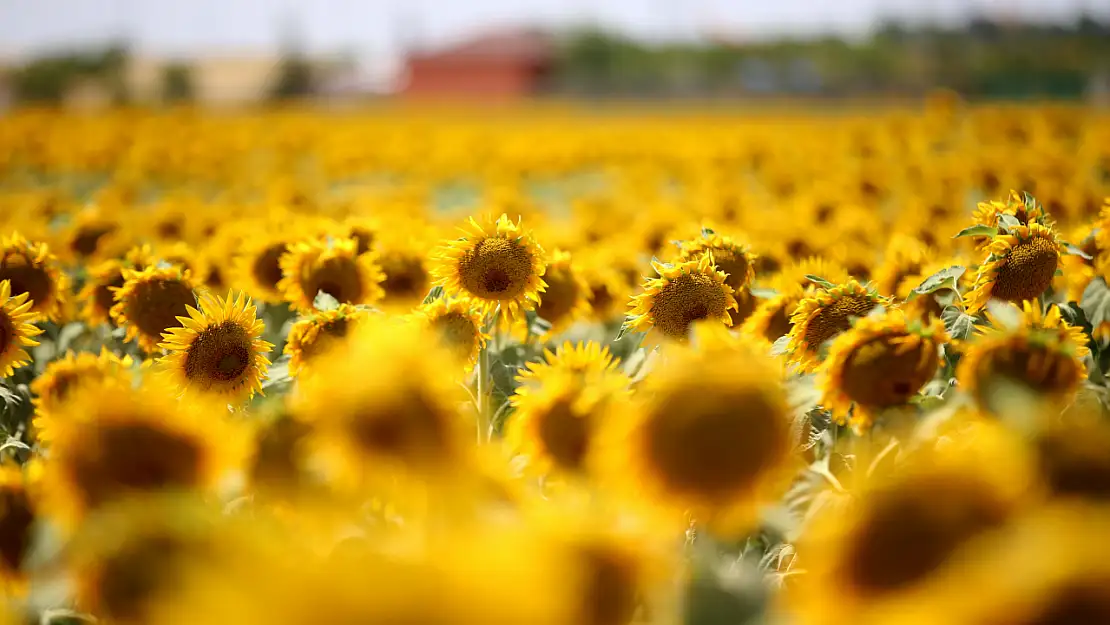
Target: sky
367,28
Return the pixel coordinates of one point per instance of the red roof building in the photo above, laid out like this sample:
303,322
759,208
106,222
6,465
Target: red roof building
498,66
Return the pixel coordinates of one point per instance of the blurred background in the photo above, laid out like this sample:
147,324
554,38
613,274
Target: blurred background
90,53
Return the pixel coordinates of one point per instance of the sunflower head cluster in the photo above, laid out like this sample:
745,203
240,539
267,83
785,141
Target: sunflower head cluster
823,315
498,266
150,302
316,334
683,294
17,329
460,325
407,275
881,362
30,268
98,294
1020,265
62,378
330,266
218,349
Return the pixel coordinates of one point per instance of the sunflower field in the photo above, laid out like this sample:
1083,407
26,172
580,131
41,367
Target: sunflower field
556,365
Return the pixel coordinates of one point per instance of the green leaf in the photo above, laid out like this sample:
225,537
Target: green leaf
959,324
707,232
1008,222
1075,251
1005,313
68,333
1096,302
278,373
947,278
976,231
433,295
9,397
537,326
819,281
324,302
763,293
14,443
781,346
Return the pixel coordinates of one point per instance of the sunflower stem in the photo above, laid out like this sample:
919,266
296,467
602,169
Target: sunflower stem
483,394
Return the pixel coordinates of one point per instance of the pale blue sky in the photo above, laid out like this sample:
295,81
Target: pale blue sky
374,27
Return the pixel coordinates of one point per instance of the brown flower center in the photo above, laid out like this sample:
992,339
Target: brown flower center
276,460
906,534
835,318
17,520
7,331
339,277
221,353
565,435
267,266
414,430
327,335
124,458
611,592
687,298
458,332
27,277
156,305
136,576
496,269
1028,365
734,264
711,442
364,240
1026,271
561,296
105,297
406,278
1082,602
883,373
88,239
1076,463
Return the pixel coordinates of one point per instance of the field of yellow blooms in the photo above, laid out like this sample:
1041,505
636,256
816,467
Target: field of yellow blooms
556,366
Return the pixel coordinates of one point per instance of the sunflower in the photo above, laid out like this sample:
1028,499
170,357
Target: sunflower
185,256
406,416
682,294
93,234
587,359
113,442
988,213
150,302
555,423
726,254
794,277
17,524
1075,459
905,258
874,554
314,335
499,266
407,277
1020,265
54,387
330,266
566,298
708,436
1042,355
824,315
459,324
218,349
32,269
257,268
279,463
771,318
882,362
17,330
98,293
607,288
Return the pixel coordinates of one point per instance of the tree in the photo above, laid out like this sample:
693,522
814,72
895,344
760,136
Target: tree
177,83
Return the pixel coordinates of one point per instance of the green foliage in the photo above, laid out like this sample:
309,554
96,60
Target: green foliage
944,279
177,83
295,78
976,231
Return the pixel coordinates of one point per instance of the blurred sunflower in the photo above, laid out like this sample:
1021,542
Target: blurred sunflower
794,277
555,423
185,256
459,324
54,387
607,288
1042,355
905,257
407,275
30,268
824,315
682,294
312,336
218,350
771,318
150,302
726,254
880,363
404,417
499,266
988,213
1019,266
330,266
1074,459
587,359
709,435
17,524
113,442
875,553
566,298
278,464
99,291
17,330
257,267
93,234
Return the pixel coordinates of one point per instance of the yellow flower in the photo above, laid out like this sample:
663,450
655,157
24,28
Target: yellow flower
499,266
331,266
312,336
459,324
555,423
792,278
588,359
57,384
882,362
683,293
407,276
988,213
1019,266
257,268
404,416
824,315
92,235
150,302
771,318
218,349
17,330
32,269
278,464
869,558
98,294
1043,355
726,254
905,257
17,526
113,442
607,288
1074,459
709,435
566,298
